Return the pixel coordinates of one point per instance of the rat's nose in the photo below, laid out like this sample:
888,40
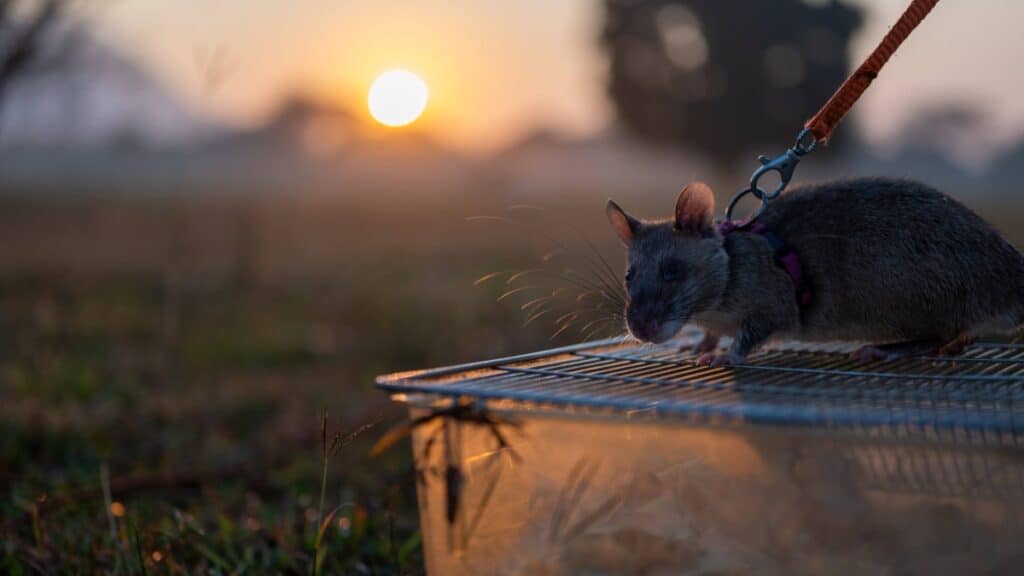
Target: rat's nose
645,330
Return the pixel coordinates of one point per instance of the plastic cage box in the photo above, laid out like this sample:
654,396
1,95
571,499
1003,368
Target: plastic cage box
612,458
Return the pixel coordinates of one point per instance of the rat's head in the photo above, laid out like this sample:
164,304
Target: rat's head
677,267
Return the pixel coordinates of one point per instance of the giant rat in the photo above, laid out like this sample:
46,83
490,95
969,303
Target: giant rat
893,263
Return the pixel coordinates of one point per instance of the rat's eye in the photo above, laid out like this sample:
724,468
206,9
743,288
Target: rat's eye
671,270
630,274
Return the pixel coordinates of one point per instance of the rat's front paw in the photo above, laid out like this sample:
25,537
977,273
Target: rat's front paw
716,360
708,344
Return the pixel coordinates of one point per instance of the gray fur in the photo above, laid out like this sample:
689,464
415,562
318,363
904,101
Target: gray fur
887,261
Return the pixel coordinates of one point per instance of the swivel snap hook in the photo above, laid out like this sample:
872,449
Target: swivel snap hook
784,165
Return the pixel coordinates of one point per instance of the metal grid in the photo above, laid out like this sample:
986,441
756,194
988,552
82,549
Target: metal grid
973,398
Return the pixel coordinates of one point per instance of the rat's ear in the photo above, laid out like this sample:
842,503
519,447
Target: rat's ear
695,209
625,225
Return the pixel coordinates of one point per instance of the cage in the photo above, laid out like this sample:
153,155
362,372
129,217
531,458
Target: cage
622,458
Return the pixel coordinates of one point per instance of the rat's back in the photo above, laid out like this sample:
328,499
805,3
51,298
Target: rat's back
890,259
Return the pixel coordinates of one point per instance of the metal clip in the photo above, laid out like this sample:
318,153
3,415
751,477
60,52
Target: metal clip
784,165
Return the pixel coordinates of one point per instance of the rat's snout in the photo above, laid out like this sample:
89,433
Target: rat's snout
645,329
647,321
642,322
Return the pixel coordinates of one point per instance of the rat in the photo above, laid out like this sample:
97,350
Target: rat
893,263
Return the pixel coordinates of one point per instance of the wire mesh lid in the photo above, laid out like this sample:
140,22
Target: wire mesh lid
817,386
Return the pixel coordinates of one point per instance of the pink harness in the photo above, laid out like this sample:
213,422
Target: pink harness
785,257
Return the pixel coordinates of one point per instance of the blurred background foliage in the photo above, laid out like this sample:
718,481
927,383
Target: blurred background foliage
726,76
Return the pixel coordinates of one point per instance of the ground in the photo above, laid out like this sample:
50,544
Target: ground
165,365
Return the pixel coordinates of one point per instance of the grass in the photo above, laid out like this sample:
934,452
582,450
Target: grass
164,386
211,462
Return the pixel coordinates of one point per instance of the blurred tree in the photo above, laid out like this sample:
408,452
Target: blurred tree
725,76
23,31
954,129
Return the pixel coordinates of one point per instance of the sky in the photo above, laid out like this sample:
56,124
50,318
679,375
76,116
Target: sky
496,69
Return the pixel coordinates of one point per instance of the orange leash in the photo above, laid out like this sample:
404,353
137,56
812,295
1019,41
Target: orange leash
824,122
819,128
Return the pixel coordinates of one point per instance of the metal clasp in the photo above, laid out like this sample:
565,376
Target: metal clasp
784,165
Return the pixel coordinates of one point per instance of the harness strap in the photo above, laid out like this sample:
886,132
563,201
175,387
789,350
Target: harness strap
785,257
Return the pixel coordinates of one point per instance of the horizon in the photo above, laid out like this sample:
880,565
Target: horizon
517,87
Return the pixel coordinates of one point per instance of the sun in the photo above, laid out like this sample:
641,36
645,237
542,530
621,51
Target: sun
397,98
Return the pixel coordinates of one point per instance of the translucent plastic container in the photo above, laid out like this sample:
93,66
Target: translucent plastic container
918,470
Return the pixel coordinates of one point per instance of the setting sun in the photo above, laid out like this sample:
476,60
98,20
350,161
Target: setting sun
397,97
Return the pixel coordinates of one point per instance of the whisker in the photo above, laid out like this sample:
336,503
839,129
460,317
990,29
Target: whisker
568,316
609,282
590,285
535,301
593,333
583,285
617,281
551,254
590,261
595,322
598,283
601,290
522,273
535,316
513,291
526,207
490,218
612,276
560,330
489,276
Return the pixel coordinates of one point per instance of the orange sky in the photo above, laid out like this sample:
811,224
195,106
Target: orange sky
496,68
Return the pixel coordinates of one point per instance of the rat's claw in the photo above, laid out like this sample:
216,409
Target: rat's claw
716,360
954,347
707,344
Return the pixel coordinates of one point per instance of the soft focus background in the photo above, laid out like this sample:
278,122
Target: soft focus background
206,242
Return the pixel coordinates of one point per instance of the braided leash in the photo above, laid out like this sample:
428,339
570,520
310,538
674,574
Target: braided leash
819,128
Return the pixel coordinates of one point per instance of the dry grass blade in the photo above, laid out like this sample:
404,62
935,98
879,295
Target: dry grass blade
326,454
138,548
328,451
577,493
485,499
319,551
340,442
392,436
108,505
600,512
567,495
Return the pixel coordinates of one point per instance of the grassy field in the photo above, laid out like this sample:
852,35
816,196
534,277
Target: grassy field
166,363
